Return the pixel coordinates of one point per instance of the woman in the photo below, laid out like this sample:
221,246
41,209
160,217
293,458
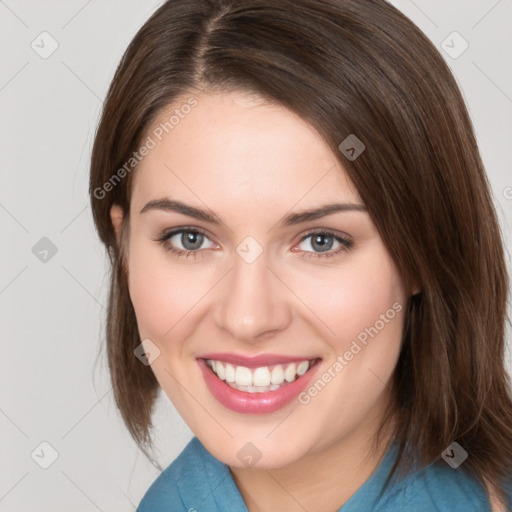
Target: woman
306,259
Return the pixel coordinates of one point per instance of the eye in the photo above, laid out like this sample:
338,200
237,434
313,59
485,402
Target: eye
322,242
189,242
184,241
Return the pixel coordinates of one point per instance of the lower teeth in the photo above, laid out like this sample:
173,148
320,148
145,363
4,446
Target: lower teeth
256,389
253,389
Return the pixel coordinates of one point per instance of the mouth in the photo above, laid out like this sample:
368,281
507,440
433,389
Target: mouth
256,388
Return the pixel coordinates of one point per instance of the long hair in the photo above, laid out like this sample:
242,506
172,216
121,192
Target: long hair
347,67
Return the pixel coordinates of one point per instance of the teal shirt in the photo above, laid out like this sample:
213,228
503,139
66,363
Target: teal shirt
198,482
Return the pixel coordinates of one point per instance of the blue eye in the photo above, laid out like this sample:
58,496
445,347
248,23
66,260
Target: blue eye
323,241
192,239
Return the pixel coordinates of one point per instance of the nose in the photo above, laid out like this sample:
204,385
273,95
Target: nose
254,303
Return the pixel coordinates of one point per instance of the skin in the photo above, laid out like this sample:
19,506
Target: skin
252,163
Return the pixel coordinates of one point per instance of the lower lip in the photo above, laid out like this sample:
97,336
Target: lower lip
254,403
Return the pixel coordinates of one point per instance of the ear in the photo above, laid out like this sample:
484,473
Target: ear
116,216
416,290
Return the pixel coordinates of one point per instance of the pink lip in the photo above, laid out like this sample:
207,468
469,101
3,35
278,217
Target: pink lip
255,361
254,403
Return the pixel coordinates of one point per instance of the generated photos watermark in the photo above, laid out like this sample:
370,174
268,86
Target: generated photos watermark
151,142
343,360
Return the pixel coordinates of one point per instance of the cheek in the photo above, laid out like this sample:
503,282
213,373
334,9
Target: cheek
161,291
353,298
364,307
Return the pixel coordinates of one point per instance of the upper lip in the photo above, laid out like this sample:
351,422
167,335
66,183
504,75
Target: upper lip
255,361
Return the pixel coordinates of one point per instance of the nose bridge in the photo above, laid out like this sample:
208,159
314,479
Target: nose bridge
253,301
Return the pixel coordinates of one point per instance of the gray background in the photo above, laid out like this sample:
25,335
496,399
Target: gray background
52,312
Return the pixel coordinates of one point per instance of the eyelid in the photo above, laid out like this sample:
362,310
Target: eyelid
166,234
327,231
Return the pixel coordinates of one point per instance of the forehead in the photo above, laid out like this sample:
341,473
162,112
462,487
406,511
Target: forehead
239,146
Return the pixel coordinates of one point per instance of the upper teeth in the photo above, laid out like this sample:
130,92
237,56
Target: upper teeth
262,376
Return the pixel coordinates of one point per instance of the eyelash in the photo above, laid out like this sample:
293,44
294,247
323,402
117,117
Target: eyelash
346,244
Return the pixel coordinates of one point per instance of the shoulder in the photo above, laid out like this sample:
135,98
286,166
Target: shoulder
438,487
195,480
172,489
163,494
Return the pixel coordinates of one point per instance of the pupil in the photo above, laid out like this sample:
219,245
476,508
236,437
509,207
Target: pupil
191,240
319,240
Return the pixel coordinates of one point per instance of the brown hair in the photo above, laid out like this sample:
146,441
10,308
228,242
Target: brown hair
347,67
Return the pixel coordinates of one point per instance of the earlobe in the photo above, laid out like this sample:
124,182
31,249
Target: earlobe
116,216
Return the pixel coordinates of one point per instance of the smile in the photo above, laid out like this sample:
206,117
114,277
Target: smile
257,389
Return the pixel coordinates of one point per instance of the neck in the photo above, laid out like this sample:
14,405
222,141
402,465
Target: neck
318,482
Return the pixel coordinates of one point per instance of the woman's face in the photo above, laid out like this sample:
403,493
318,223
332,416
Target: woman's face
256,279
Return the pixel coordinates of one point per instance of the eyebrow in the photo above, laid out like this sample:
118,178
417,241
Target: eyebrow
288,220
